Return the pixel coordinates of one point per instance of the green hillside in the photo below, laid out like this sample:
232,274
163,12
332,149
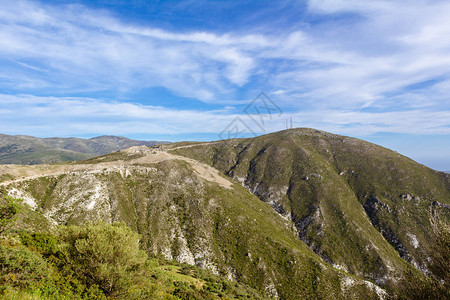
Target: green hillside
100,261
340,218
358,205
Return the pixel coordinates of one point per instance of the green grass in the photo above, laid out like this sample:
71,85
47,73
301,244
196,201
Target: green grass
331,210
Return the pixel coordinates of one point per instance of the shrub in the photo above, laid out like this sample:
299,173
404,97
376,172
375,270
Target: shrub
185,269
21,267
9,208
44,243
104,254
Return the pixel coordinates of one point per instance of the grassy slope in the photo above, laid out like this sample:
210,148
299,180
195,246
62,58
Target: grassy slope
44,155
329,185
184,217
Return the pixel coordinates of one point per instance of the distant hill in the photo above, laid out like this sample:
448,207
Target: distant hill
29,150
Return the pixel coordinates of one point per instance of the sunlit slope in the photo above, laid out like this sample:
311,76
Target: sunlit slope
358,205
185,213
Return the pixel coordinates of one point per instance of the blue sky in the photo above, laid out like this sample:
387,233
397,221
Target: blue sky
187,70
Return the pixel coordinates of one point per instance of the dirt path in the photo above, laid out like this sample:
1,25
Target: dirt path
205,171
23,173
193,145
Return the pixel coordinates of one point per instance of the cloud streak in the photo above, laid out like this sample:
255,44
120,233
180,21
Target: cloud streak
87,116
382,68
90,50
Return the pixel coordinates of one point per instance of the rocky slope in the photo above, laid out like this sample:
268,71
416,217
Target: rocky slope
185,210
21,149
340,218
361,207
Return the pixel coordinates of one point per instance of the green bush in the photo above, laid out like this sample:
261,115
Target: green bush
9,208
25,274
44,243
21,267
185,269
100,260
107,255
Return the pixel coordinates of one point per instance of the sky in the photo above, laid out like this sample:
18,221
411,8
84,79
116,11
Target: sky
207,70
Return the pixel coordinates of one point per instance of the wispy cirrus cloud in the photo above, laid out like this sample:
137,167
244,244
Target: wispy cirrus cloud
389,46
82,49
352,67
385,48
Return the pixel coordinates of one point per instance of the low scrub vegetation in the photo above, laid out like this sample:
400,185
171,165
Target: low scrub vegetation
98,261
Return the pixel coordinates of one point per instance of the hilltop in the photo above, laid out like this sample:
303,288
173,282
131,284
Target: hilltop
358,205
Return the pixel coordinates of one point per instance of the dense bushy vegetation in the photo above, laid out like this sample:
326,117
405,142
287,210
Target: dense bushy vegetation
99,261
9,207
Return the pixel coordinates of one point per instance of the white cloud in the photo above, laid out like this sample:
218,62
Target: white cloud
395,44
326,72
91,50
85,116
355,63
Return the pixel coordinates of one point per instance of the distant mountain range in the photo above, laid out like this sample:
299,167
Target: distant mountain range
29,150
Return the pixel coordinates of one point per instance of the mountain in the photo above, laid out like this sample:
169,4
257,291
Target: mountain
294,214
28,150
359,206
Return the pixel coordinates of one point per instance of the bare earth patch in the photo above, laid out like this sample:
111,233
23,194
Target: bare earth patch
151,155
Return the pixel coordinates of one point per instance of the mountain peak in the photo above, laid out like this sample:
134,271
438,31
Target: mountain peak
112,137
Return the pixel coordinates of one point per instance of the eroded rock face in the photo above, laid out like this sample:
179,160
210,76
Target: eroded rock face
79,196
370,198
183,216
165,202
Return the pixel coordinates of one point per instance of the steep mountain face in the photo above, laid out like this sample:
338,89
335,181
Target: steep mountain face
21,149
186,210
362,208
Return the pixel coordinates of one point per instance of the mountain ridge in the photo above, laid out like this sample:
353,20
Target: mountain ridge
22,149
297,212
183,214
305,173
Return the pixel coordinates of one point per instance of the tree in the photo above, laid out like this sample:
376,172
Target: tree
107,255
